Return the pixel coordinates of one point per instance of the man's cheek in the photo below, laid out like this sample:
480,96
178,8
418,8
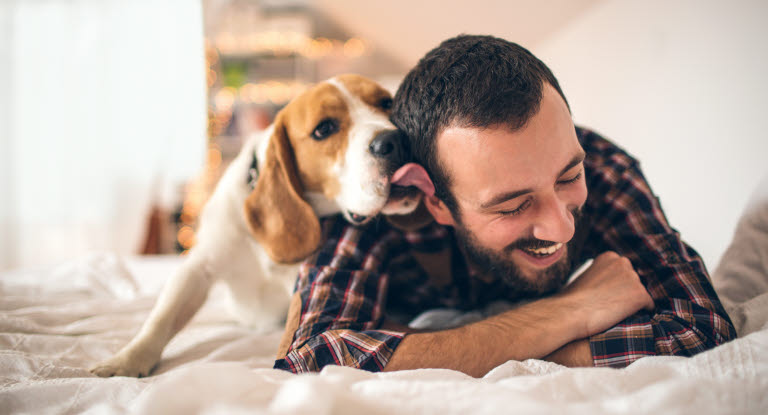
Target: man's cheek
501,236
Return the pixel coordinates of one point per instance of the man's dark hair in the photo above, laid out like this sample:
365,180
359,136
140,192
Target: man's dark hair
467,81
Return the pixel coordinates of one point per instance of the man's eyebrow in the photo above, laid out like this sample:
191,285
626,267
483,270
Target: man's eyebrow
576,160
503,197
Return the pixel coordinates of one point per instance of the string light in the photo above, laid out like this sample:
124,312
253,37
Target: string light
286,43
354,48
224,100
214,158
186,237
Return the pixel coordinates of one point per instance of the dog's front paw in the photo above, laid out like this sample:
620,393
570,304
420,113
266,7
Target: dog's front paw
125,363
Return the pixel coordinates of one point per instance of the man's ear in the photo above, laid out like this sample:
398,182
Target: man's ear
439,210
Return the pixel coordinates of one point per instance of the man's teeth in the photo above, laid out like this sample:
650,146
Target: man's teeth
545,251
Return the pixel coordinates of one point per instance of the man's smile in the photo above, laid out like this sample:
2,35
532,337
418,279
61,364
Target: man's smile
542,252
542,257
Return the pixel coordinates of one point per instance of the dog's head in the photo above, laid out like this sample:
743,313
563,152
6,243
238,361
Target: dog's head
332,149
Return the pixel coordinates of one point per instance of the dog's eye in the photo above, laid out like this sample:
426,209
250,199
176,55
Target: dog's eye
386,104
326,128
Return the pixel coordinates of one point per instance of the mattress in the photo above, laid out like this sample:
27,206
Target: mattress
57,321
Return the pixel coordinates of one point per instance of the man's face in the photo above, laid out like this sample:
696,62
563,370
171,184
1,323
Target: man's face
518,194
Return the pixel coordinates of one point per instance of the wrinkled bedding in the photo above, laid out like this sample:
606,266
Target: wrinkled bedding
57,321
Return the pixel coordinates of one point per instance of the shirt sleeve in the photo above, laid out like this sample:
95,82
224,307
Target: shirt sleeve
688,317
343,295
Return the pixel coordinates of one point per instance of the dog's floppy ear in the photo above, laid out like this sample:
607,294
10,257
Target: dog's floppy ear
419,218
279,218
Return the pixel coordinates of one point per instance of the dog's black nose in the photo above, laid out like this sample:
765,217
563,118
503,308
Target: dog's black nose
388,144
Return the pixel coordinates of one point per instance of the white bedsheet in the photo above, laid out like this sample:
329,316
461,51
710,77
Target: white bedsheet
56,322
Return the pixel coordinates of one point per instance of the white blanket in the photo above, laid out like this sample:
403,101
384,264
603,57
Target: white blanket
56,322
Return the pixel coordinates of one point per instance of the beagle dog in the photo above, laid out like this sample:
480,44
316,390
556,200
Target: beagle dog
330,150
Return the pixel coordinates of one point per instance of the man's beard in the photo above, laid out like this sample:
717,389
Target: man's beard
499,265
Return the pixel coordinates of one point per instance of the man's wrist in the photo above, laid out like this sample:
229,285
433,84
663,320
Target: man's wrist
573,312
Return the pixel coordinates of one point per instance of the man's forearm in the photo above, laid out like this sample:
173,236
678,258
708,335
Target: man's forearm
606,293
574,354
531,331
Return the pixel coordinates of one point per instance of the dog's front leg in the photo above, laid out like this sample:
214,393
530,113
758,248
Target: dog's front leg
179,300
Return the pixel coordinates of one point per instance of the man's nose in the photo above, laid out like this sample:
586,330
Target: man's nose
554,221
389,144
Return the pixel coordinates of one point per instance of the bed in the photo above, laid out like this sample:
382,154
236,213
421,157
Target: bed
57,321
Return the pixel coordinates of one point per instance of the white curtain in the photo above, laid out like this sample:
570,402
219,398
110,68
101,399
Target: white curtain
102,111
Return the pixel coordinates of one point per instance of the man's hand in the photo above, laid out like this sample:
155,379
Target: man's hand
610,288
608,292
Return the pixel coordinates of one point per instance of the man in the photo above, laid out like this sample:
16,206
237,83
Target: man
520,198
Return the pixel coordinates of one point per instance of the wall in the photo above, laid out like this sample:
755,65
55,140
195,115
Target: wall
105,104
681,85
6,227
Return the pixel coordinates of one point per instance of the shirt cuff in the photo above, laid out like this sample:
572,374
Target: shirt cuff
367,350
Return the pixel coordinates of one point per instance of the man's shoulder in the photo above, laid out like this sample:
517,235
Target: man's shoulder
601,153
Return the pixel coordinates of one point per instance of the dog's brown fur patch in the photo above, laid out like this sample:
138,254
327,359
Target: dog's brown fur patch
316,159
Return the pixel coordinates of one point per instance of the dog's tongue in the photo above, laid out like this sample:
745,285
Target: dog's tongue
413,174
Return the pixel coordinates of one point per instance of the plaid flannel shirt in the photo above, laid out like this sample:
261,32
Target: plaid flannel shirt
361,275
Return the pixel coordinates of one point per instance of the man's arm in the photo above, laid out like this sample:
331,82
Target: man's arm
530,331
605,294
339,315
688,317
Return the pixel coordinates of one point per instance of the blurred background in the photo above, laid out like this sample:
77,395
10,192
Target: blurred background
118,117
